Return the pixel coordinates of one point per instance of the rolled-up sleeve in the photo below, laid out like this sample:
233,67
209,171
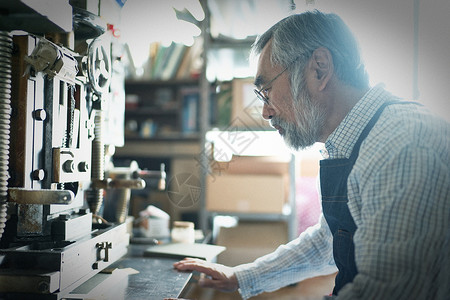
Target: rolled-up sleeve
307,256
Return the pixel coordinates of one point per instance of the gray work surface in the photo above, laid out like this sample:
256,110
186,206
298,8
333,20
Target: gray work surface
156,279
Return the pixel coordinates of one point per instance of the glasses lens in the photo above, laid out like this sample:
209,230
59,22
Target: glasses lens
260,96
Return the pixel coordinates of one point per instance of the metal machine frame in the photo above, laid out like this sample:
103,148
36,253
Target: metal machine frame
56,100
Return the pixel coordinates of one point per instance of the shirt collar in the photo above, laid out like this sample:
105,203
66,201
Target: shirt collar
341,142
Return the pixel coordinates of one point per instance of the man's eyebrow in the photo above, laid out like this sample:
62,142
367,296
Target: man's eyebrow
259,81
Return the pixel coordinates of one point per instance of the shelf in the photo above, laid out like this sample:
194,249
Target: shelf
253,216
143,111
176,137
160,83
153,147
160,110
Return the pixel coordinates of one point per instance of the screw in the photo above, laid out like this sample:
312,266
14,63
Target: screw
68,166
40,114
83,166
38,174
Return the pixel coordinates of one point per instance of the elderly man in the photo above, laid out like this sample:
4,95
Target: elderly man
385,176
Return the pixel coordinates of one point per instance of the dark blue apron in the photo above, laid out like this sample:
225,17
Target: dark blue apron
333,181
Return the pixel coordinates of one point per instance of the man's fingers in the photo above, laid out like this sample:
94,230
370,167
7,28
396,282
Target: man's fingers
220,277
188,260
199,268
195,265
187,263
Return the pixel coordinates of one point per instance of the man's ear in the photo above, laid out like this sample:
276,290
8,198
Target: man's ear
322,65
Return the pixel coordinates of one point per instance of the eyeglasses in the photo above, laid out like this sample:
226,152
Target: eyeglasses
263,93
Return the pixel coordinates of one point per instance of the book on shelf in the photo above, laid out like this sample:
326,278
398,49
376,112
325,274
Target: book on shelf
173,61
190,110
190,117
183,71
160,61
153,53
166,61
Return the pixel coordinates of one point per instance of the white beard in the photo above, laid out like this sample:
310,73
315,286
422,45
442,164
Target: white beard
310,120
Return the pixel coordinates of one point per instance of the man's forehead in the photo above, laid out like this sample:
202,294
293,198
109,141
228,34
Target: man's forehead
263,65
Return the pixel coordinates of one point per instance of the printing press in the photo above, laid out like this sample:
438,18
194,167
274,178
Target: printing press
62,110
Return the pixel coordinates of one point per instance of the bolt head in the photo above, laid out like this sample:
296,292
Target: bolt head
40,114
38,174
68,166
83,166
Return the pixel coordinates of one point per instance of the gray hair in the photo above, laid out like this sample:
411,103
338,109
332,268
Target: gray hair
296,37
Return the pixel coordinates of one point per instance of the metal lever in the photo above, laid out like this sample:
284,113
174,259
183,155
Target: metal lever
161,175
44,196
119,183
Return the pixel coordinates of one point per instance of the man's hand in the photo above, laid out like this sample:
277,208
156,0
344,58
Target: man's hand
220,277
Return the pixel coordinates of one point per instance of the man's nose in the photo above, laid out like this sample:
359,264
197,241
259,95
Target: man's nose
267,112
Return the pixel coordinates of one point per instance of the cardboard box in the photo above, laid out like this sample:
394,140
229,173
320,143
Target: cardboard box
250,240
249,185
251,165
246,193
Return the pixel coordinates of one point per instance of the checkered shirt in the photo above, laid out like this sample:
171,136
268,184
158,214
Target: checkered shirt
399,197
